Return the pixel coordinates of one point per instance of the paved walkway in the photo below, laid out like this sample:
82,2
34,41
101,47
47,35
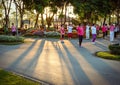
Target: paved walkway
61,64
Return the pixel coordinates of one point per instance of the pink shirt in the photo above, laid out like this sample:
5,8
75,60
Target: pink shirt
80,30
62,31
103,29
97,27
13,29
112,27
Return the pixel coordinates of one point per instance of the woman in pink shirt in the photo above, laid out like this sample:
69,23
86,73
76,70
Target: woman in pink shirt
62,32
13,29
104,30
112,27
80,31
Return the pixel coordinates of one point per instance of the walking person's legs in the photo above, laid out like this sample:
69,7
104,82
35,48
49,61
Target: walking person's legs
62,38
104,33
69,35
111,36
87,35
13,33
80,39
93,38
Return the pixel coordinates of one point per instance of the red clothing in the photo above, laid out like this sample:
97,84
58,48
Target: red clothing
69,35
103,29
80,30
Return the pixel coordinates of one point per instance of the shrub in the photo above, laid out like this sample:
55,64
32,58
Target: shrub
52,34
5,38
107,55
115,48
51,29
39,33
28,34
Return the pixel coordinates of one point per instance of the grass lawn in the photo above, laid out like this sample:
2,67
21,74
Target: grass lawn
8,78
107,55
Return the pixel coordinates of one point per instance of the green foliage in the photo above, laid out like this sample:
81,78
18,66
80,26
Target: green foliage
114,49
28,34
108,55
5,38
52,34
8,78
51,29
91,9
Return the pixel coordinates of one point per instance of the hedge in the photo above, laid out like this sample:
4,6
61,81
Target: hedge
6,38
115,48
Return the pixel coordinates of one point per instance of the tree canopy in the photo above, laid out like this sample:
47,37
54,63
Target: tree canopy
87,10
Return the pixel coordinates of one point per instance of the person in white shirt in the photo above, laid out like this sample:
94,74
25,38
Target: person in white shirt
93,29
87,31
69,28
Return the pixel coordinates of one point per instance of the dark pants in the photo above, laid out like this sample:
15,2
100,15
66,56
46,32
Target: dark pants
104,34
80,39
62,37
115,34
13,33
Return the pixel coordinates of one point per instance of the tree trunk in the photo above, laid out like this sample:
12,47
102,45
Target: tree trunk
49,20
6,24
7,11
109,19
62,15
36,22
21,20
104,19
65,14
42,20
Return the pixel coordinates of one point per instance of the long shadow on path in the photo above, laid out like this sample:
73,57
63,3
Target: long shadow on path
77,74
109,74
15,64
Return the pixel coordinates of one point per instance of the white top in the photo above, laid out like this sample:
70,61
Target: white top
70,29
93,28
87,28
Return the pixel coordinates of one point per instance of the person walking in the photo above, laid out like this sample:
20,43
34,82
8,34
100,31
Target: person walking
112,27
13,29
69,28
106,27
87,31
93,29
80,31
104,30
62,32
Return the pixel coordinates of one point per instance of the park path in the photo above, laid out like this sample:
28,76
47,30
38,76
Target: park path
58,63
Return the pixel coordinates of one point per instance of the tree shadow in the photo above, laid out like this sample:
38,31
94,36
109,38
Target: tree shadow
103,68
73,66
15,64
